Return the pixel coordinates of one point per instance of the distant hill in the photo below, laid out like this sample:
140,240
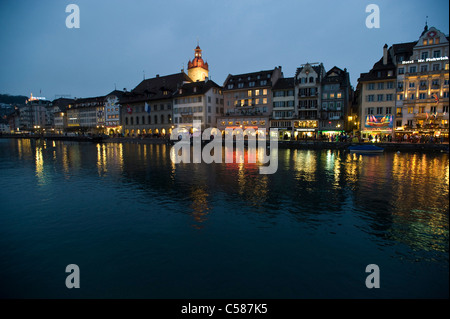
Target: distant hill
12,99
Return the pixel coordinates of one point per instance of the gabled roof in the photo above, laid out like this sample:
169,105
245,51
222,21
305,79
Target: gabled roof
316,68
246,78
158,84
157,88
196,88
380,71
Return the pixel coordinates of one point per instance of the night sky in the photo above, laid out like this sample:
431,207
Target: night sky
119,41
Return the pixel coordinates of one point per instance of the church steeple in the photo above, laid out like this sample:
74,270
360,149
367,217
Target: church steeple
198,69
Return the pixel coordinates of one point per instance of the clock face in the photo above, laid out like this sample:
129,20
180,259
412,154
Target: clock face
431,34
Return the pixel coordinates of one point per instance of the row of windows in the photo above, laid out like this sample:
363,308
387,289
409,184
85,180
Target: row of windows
423,109
114,116
250,102
306,80
307,92
281,123
283,104
423,68
190,119
283,113
422,96
250,84
332,95
283,93
307,104
249,77
379,110
162,107
380,85
188,100
431,41
251,93
130,120
331,105
112,109
238,122
423,84
379,97
187,109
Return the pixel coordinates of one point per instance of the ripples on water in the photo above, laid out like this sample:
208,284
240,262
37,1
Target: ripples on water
221,230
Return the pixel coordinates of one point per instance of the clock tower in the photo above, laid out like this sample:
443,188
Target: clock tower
198,69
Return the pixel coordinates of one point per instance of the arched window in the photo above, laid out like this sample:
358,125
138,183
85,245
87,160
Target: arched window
156,119
126,121
131,121
137,120
143,119
149,119
162,118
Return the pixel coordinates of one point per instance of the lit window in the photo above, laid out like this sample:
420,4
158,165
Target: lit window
265,92
339,95
256,92
249,93
265,100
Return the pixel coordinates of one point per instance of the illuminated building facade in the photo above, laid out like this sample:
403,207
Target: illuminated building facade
283,112
248,100
422,100
335,100
87,115
202,101
148,108
308,88
376,92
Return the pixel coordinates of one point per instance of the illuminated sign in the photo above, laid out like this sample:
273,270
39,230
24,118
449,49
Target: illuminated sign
373,121
426,60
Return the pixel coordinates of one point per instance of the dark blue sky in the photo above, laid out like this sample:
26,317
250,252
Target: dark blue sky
118,40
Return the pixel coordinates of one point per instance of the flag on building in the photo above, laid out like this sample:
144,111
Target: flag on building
436,98
147,108
129,109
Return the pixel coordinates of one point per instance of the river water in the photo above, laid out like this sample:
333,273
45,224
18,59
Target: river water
139,226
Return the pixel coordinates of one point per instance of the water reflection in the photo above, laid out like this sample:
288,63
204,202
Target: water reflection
395,198
200,207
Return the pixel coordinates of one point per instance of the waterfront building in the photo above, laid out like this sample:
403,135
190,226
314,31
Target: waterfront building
283,112
377,90
147,109
248,100
308,88
59,114
112,112
201,100
335,100
422,102
34,114
86,115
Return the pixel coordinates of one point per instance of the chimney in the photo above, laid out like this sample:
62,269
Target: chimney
157,75
385,54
